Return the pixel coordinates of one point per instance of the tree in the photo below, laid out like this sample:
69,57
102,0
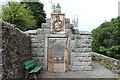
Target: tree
106,38
38,12
16,14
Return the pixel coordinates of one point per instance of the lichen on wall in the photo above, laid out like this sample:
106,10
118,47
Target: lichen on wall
16,49
110,63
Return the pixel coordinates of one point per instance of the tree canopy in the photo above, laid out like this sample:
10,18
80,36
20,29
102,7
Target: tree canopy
38,12
106,38
16,14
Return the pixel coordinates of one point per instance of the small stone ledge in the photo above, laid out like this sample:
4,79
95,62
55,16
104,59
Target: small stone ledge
46,25
80,68
31,32
84,33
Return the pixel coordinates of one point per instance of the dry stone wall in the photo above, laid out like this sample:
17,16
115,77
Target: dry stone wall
1,68
110,63
16,49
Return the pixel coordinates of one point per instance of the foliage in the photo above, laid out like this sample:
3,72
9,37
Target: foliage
94,57
106,38
106,62
72,28
16,14
38,12
118,76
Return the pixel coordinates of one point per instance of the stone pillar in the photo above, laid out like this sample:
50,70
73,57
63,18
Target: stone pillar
80,57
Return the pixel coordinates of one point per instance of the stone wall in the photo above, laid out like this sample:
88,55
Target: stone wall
37,46
110,63
15,50
79,45
1,70
80,56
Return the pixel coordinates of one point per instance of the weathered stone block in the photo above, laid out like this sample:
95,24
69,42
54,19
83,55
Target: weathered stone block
34,54
40,61
40,54
34,49
48,20
87,41
40,31
41,45
87,58
68,31
77,63
34,40
86,36
40,37
86,63
82,45
76,68
72,37
88,68
85,33
74,59
77,36
83,50
79,41
31,32
72,44
1,68
47,31
40,50
86,54
46,25
80,58
34,45
33,36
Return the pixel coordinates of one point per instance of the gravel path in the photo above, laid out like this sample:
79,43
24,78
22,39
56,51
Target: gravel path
98,72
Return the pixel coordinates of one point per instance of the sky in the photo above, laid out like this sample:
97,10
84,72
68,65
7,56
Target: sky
91,13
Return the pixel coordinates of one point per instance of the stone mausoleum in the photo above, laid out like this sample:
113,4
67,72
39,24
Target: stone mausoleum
58,47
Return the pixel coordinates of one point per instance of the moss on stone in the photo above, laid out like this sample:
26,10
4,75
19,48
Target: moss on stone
118,76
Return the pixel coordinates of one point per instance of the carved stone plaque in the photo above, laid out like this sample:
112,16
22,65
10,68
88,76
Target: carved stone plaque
57,23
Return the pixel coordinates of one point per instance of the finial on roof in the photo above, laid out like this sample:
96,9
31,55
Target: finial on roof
58,6
57,9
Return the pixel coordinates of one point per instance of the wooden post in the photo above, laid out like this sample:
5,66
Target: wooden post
50,59
65,59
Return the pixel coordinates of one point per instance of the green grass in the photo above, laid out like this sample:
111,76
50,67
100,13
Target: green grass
118,76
